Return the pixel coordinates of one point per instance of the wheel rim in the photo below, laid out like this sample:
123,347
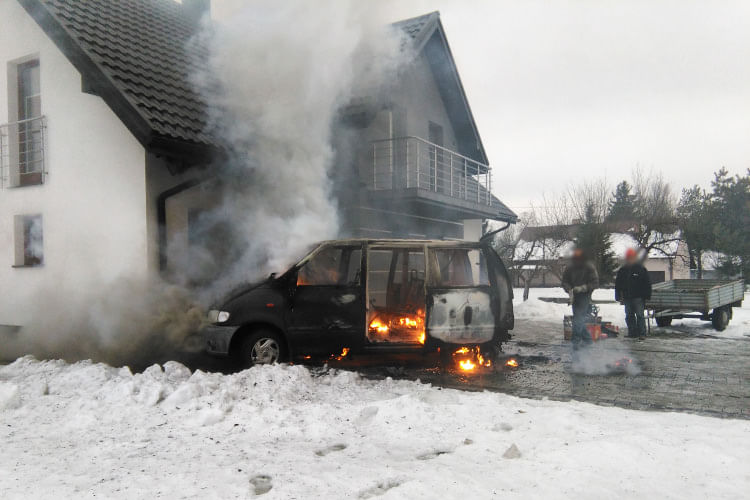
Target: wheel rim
265,351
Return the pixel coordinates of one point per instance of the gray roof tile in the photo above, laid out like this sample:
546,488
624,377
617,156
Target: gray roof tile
143,47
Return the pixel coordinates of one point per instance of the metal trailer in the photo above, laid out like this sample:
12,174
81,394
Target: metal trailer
709,300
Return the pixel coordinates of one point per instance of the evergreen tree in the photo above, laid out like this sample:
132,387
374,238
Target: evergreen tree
731,201
622,204
696,220
594,239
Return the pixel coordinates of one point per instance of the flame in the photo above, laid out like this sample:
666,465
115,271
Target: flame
481,360
466,365
462,350
422,338
378,326
408,322
512,363
344,352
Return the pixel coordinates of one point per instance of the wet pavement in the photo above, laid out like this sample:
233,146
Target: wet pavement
672,370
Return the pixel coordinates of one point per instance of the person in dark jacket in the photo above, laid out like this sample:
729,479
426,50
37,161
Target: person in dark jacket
633,289
580,279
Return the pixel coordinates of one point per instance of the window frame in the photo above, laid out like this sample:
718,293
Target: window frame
22,241
344,266
435,272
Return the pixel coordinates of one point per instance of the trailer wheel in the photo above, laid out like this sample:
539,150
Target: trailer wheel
663,321
720,319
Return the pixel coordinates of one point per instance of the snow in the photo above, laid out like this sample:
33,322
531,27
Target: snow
539,310
88,430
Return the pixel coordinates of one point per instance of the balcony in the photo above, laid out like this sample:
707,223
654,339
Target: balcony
413,168
23,153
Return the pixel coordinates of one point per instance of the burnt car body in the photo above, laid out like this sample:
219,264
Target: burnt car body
367,295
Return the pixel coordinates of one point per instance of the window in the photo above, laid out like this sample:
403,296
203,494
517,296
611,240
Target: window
439,171
22,139
332,266
460,267
29,244
29,129
29,93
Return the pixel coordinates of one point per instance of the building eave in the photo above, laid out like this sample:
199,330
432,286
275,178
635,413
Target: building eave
97,81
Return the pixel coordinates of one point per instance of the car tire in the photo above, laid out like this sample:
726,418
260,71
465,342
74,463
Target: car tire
664,321
720,319
261,347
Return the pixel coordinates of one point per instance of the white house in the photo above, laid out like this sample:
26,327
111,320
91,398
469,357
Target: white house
103,146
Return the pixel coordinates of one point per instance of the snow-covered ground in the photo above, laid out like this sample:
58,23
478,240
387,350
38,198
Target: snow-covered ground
539,310
89,430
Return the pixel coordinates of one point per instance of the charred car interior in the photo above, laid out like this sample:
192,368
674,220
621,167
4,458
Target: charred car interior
366,295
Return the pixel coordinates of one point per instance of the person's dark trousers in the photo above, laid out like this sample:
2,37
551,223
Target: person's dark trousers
634,317
581,336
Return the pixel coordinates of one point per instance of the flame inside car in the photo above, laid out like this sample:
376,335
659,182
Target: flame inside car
377,326
398,327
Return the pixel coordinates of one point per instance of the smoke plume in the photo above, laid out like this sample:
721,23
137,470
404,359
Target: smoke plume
276,77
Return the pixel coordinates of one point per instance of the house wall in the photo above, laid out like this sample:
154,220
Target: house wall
419,96
93,200
414,102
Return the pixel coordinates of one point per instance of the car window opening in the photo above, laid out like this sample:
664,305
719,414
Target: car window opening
396,291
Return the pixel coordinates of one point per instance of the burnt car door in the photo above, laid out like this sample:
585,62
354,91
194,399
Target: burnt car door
462,302
326,304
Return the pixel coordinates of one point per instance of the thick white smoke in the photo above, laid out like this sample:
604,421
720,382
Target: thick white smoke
275,80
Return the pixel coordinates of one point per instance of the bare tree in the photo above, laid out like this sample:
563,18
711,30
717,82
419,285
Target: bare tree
589,200
533,245
655,228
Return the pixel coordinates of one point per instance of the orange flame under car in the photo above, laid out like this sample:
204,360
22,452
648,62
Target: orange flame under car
467,365
468,359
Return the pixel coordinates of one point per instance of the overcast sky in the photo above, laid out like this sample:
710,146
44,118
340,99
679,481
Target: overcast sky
565,90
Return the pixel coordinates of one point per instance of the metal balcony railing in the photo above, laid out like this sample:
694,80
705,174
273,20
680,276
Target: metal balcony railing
412,162
23,152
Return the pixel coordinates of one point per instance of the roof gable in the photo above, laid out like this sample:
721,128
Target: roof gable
428,36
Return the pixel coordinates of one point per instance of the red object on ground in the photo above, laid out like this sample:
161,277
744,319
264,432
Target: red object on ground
595,330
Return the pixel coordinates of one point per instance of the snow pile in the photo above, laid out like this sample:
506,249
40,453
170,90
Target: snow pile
84,430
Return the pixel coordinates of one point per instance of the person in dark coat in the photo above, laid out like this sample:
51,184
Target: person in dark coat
633,289
580,279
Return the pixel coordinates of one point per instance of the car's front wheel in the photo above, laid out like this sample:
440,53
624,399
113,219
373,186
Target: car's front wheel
261,347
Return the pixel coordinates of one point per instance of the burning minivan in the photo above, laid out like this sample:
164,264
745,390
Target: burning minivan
367,296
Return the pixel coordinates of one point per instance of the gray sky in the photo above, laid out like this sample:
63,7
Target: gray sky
565,90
